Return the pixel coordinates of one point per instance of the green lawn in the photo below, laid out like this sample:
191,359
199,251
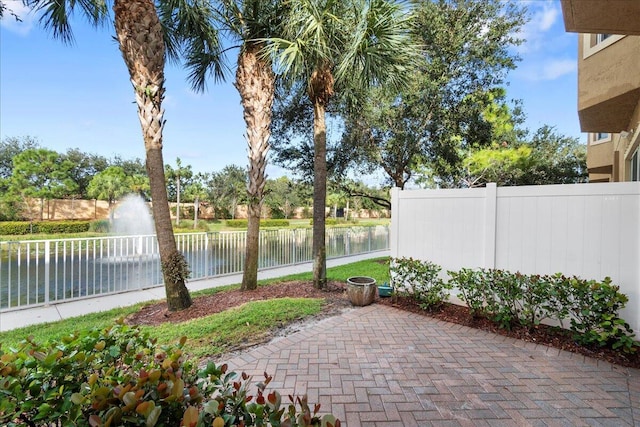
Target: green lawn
215,334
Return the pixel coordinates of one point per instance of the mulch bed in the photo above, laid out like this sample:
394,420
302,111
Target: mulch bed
337,301
210,304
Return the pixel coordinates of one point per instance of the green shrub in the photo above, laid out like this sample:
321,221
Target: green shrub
93,377
242,223
337,221
537,300
509,298
593,308
17,228
100,226
120,376
232,404
503,301
63,227
420,280
472,287
276,213
10,209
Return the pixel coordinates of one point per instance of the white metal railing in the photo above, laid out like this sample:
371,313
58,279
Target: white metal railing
40,272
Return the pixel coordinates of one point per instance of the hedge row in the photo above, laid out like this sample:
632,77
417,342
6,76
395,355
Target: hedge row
592,307
243,223
336,221
20,228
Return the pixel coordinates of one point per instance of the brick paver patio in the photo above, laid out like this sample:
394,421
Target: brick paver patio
380,366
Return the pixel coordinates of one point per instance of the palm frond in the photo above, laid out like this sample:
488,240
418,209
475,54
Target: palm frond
380,50
56,15
190,32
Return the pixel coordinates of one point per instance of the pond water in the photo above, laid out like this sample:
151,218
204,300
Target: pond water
45,271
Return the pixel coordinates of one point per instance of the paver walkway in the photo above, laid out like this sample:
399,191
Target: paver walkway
380,366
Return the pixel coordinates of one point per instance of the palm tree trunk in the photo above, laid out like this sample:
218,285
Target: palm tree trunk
139,35
320,91
319,251
178,199
255,82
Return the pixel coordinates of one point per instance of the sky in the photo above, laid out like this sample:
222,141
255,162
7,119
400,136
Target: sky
80,96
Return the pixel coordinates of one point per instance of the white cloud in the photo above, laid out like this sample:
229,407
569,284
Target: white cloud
545,18
558,68
9,22
543,15
549,70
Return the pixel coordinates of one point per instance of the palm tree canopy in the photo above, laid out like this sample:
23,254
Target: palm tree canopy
188,29
244,23
247,20
190,32
360,42
56,15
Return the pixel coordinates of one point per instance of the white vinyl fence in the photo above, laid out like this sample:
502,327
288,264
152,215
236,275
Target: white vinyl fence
587,230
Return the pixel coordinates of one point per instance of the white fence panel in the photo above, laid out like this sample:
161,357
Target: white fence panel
587,230
437,225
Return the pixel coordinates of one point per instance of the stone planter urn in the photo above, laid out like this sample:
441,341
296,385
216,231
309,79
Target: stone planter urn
361,290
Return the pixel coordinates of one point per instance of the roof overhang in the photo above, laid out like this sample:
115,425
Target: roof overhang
602,16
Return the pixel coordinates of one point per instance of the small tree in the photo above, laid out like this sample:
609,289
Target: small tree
42,174
176,178
110,185
281,197
227,188
195,192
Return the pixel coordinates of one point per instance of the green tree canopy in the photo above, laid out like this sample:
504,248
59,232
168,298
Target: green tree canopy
442,114
227,189
42,173
10,147
86,166
547,158
281,197
110,185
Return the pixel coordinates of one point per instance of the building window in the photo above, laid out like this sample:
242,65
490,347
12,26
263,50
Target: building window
635,166
593,43
599,137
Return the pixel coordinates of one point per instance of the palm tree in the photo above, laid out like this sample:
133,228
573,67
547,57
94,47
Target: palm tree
251,23
337,45
142,39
